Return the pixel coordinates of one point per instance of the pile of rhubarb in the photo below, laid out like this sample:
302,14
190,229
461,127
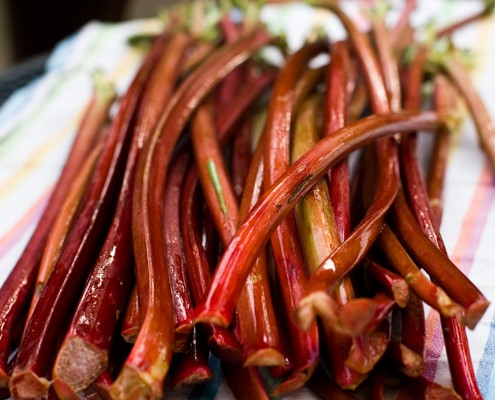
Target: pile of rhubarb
216,215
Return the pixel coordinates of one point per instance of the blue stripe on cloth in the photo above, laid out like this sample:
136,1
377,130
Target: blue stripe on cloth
486,372
209,390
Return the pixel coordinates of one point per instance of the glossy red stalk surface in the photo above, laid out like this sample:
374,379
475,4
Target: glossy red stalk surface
256,319
149,360
44,328
220,340
94,321
16,290
437,264
280,199
174,254
286,249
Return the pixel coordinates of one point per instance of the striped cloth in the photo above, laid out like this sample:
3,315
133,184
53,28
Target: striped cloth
38,123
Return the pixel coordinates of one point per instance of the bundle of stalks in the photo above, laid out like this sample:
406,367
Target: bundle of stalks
193,229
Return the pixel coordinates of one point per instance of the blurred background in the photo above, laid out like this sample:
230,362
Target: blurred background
30,28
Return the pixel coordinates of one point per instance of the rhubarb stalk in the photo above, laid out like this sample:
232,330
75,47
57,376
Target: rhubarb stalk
44,328
147,365
280,199
17,289
93,324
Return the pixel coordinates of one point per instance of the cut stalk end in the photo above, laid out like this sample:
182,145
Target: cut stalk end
201,375
293,382
27,385
413,362
134,385
447,307
207,316
357,315
130,335
265,358
401,293
91,362
316,303
475,312
64,391
366,351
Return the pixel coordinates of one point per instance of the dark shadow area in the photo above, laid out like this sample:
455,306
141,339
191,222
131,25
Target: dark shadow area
38,25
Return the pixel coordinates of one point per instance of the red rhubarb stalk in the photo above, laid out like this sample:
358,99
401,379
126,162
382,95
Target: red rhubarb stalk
484,123
408,353
438,166
437,264
220,340
367,230
147,365
256,319
174,254
62,224
241,156
44,328
286,249
454,334
280,199
319,237
418,282
336,116
17,289
486,11
257,295
93,324
402,25
229,87
389,67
